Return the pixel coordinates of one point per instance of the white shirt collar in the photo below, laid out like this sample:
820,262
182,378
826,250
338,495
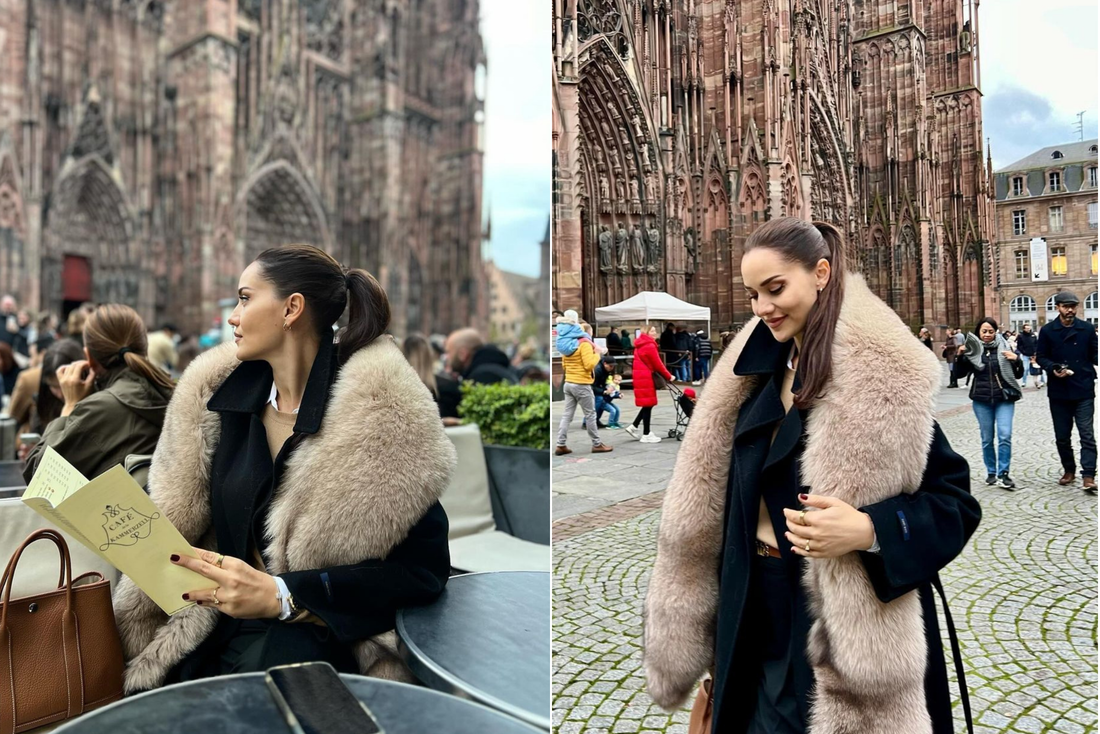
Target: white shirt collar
271,400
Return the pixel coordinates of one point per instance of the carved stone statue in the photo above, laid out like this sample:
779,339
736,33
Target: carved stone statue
637,121
644,150
621,251
606,129
634,189
597,152
651,192
689,246
605,249
620,192
624,138
605,189
653,242
637,248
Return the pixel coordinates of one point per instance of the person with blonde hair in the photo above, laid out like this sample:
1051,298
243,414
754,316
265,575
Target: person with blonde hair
419,353
114,398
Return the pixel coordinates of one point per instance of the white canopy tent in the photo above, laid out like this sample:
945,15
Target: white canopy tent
653,306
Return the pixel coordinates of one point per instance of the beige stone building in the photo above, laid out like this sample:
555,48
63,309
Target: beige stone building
515,309
1047,233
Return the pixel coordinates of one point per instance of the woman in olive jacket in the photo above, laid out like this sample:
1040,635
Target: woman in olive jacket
306,471
114,399
803,585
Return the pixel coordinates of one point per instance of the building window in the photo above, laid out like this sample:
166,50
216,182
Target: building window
1052,310
1092,176
1093,248
1058,260
1022,311
1057,155
1019,222
1055,179
1091,314
1092,215
1056,219
1018,186
1023,264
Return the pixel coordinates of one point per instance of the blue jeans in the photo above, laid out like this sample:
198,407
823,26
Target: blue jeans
702,369
683,369
995,418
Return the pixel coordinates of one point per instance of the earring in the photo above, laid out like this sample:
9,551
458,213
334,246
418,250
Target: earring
286,326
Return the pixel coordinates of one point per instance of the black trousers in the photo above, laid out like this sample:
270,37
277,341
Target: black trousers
775,628
643,417
1064,413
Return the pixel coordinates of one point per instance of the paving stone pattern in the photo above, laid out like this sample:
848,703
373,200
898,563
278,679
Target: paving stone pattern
1023,595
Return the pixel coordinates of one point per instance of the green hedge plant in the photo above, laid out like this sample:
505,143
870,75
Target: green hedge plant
508,415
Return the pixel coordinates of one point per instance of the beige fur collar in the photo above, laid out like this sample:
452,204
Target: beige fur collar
350,492
877,415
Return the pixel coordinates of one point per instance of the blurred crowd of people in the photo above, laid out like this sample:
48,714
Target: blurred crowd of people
445,362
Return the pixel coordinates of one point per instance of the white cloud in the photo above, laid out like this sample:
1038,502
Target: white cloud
1043,52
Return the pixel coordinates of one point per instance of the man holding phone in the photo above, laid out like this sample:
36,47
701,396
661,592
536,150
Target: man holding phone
1066,349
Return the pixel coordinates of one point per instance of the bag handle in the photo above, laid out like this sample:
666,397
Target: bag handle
74,677
956,653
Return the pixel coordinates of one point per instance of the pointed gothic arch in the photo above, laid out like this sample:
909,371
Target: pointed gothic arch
279,207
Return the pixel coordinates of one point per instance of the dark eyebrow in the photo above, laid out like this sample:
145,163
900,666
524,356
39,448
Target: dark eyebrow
765,283
242,289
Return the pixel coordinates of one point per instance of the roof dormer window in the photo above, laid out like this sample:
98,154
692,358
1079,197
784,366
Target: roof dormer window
1056,155
1092,149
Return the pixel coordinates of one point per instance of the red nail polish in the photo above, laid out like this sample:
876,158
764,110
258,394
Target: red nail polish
803,496
186,597
175,558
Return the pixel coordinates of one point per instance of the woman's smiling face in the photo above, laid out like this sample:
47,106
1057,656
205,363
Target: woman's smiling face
782,292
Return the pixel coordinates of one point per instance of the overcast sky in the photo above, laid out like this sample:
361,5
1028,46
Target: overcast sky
517,130
1039,69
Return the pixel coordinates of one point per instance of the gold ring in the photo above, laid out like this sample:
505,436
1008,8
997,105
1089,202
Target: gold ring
218,603
221,557
802,517
807,548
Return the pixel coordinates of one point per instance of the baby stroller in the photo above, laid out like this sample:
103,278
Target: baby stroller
684,406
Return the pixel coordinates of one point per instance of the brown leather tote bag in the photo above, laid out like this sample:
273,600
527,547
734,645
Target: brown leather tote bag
702,711
60,653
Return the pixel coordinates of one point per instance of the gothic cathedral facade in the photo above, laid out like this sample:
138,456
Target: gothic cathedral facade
150,148
680,125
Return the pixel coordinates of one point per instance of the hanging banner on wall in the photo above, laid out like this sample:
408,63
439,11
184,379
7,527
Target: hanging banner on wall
1038,258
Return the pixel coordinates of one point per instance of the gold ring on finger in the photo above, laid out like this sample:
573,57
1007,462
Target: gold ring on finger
807,548
802,517
218,603
221,557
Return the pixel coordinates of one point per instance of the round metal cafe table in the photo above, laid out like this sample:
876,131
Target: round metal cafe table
486,638
242,704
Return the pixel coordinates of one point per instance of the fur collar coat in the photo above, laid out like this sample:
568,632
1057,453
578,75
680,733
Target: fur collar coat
868,657
350,491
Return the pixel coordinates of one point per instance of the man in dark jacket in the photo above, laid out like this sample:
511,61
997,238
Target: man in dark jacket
1066,349
614,344
703,352
469,356
1025,345
684,354
627,344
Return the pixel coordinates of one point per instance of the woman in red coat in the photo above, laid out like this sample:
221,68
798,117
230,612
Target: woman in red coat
647,360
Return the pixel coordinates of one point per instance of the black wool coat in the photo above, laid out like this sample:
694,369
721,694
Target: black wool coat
918,534
1074,346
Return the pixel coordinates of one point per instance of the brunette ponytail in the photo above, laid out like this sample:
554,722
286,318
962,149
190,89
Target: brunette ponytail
816,360
368,313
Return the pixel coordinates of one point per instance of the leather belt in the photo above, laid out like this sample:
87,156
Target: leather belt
763,549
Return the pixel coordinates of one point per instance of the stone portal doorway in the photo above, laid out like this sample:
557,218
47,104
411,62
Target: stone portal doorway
76,283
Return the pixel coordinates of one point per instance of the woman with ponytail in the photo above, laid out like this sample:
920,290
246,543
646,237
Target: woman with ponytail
114,400
305,467
813,503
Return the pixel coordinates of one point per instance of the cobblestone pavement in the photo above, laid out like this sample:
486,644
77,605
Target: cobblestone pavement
1023,593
